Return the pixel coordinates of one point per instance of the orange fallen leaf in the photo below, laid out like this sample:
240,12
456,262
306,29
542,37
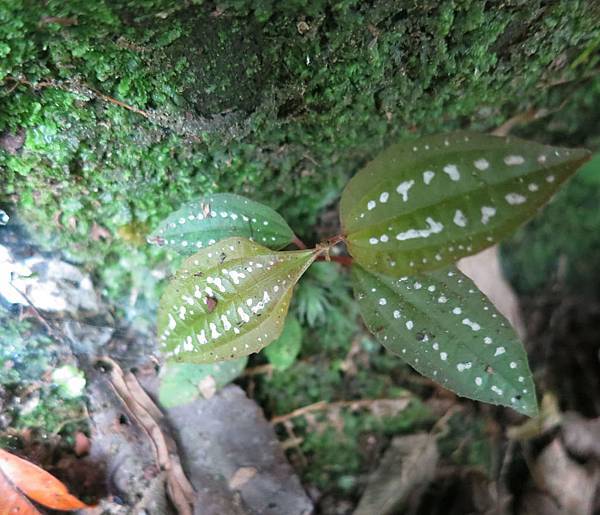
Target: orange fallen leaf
20,479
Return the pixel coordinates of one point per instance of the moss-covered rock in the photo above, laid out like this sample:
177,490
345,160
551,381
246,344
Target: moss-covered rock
30,400
131,107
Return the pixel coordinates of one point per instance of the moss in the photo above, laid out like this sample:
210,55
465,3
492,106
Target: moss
334,442
278,100
30,400
465,442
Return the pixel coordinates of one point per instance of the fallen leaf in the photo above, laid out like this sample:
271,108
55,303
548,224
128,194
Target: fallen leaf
82,444
143,410
241,476
97,232
12,501
20,479
207,387
569,486
406,469
581,436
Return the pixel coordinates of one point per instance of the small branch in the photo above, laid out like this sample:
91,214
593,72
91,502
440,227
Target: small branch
112,100
299,243
75,87
342,260
317,406
324,405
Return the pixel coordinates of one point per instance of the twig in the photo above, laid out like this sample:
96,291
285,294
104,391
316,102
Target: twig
441,426
118,102
526,117
38,315
324,405
53,84
294,442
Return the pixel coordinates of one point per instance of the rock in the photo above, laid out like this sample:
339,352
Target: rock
50,285
233,458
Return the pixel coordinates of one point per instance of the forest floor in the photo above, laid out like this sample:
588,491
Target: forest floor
362,431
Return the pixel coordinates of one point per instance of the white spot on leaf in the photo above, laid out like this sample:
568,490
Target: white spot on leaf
473,325
428,176
452,172
486,213
513,160
434,228
515,198
482,164
403,188
460,219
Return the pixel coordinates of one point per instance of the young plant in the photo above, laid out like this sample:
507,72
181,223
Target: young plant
406,218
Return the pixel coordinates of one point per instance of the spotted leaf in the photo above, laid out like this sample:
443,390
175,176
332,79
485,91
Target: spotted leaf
422,205
282,352
201,223
228,300
446,329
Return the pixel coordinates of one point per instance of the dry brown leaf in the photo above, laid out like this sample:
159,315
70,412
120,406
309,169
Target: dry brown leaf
570,486
406,469
207,387
20,479
143,410
97,232
485,271
82,444
241,476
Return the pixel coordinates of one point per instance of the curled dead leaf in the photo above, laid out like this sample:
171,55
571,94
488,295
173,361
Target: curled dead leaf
20,480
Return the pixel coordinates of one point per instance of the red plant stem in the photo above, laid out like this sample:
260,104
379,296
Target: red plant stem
299,243
336,239
342,260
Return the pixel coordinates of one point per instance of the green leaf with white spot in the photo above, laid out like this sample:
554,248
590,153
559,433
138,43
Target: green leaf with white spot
203,222
282,352
447,330
181,383
228,300
424,204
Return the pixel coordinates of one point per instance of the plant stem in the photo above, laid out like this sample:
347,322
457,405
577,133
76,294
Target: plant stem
342,260
299,243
